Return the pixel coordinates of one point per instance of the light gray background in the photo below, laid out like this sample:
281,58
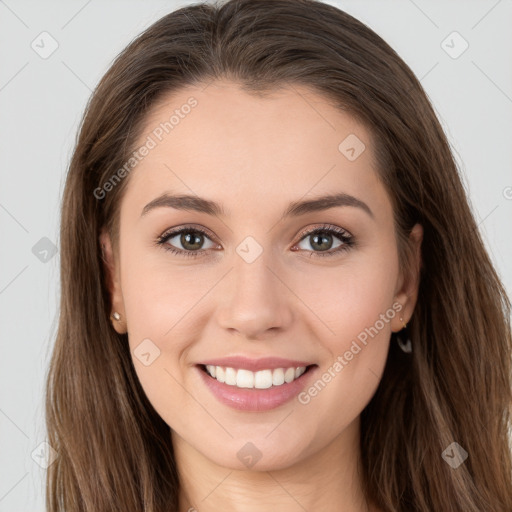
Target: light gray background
41,102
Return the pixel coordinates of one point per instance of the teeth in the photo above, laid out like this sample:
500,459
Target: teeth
220,373
230,376
262,379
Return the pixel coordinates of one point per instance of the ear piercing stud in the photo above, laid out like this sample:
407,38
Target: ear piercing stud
116,316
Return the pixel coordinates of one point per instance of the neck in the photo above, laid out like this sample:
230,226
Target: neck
329,480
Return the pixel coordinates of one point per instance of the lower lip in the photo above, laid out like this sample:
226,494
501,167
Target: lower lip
246,399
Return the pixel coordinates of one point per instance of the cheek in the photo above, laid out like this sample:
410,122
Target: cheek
159,305
355,306
156,294
354,359
349,300
156,302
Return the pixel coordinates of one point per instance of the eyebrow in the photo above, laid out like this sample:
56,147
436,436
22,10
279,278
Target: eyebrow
294,209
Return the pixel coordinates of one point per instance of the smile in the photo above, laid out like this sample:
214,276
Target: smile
262,379
261,390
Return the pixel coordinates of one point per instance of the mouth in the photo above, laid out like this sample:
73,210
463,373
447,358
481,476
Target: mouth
262,379
262,390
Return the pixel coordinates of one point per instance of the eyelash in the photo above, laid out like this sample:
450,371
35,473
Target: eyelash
348,240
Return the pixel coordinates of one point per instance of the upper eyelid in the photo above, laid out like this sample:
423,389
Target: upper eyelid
172,232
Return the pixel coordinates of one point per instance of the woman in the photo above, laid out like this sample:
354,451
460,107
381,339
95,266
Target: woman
274,293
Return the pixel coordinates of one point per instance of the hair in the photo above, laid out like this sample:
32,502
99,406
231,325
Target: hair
114,450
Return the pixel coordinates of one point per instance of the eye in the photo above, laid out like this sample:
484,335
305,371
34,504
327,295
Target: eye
321,238
189,238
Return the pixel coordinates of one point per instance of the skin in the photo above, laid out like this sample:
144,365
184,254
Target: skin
255,155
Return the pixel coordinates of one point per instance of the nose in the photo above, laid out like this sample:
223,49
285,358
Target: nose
254,299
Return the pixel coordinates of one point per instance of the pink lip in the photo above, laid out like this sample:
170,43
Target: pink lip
246,399
254,365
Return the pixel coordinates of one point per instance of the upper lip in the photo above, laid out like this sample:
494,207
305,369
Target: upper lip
254,365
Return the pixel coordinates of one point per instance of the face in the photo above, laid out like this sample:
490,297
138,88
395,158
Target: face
252,280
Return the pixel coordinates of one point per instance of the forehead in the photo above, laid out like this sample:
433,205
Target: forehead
222,142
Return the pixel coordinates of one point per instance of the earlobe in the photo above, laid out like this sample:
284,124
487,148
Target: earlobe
408,295
113,281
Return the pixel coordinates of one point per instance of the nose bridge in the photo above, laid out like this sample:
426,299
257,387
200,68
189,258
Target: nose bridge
251,270
253,298
252,280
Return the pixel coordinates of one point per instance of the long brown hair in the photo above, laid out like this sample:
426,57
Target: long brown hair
114,450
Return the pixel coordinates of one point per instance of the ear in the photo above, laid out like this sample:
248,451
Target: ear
407,294
112,278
